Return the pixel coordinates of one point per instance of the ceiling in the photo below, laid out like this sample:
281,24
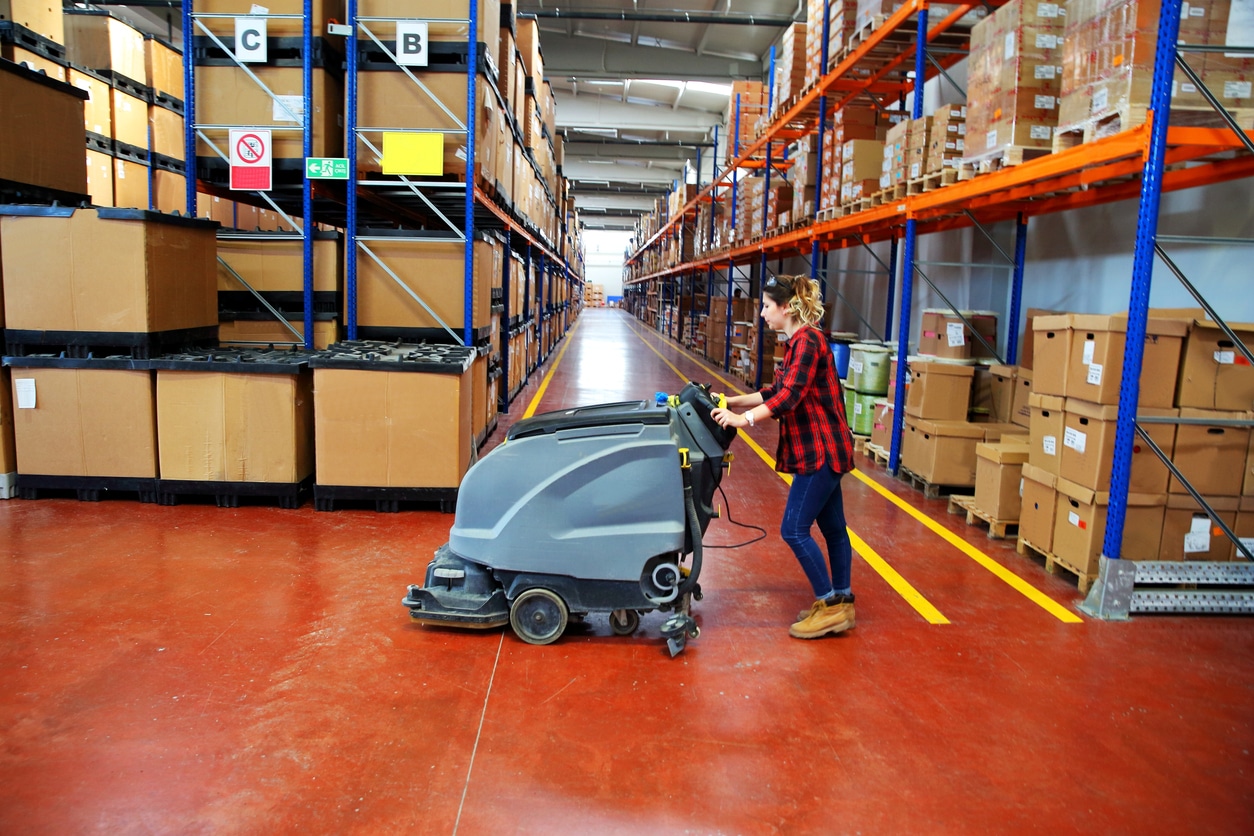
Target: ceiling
641,86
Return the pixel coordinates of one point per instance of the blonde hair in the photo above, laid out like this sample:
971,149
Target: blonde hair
799,295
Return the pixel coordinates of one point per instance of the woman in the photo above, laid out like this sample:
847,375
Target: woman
815,445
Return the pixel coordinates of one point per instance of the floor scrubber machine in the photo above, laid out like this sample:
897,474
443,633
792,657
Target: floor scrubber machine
591,509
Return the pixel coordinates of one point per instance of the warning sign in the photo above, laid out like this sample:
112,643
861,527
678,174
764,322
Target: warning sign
251,166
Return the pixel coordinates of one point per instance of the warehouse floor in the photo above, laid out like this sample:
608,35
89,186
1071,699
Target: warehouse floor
193,669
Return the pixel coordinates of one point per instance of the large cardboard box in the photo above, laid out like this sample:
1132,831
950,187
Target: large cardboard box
224,426
941,452
164,64
1021,407
1037,507
98,108
432,270
244,333
1046,431
98,41
167,133
323,10
998,472
108,270
939,391
100,178
8,452
1080,526
130,185
882,425
1002,388
1051,354
1190,534
1248,487
278,265
43,17
1213,374
90,418
1096,364
227,96
391,428
1211,457
42,132
1088,447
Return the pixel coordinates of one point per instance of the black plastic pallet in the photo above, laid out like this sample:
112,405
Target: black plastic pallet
290,495
125,151
280,52
241,304
386,500
126,84
18,35
418,335
164,163
169,102
139,345
99,142
86,488
12,192
442,57
289,173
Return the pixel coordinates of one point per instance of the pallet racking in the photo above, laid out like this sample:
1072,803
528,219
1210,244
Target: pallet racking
1142,161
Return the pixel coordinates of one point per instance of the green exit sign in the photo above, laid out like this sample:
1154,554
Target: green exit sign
326,168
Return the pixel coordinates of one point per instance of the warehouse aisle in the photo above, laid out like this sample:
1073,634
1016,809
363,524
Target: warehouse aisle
196,669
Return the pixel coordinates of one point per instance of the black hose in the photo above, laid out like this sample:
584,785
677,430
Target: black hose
694,529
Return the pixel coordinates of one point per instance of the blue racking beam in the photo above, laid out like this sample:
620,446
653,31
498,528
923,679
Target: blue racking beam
1016,290
1142,272
350,138
306,196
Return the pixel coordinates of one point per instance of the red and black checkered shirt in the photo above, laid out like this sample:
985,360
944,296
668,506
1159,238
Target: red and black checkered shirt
807,400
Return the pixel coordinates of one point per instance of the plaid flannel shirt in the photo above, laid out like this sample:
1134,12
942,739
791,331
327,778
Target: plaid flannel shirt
807,400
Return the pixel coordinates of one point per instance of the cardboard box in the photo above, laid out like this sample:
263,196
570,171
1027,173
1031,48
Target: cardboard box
1211,457
164,65
91,421
1213,374
100,178
1021,407
434,271
259,332
1096,364
941,452
159,274
1190,534
1088,448
43,17
130,185
939,391
1046,430
1080,526
169,191
42,134
391,428
1038,504
98,108
167,133
882,428
998,471
223,426
1052,354
227,96
8,450
1002,382
1248,486
280,27
1245,528
279,265
96,40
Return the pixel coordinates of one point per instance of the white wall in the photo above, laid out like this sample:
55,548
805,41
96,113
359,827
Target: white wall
604,255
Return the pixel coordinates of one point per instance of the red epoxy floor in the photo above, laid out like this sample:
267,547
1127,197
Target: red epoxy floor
202,670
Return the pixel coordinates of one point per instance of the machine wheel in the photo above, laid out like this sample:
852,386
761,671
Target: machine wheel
624,622
538,616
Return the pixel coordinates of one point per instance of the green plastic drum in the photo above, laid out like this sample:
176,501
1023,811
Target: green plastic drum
868,368
849,396
862,417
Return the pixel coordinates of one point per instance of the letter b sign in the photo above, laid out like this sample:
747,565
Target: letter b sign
411,43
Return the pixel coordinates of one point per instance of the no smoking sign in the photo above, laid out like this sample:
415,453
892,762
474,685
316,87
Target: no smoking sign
251,167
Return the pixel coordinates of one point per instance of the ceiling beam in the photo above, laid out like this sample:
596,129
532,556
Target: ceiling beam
585,57
698,18
597,112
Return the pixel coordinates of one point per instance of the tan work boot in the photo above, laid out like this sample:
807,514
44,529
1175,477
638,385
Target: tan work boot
823,620
839,599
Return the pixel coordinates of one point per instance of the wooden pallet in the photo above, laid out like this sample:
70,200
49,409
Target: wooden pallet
1052,564
996,528
827,214
932,181
860,442
930,490
876,454
1006,157
856,38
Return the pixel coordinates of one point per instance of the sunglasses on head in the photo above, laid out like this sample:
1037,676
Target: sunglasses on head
774,281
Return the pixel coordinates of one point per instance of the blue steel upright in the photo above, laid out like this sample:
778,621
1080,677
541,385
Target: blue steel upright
1142,272
468,275
189,107
350,139
306,196
814,245
1016,290
907,273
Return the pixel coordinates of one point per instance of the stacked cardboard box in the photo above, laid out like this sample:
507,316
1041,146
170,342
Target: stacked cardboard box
946,334
790,66
747,103
1108,64
1015,77
804,176
893,167
918,135
861,164
841,15
947,140
42,133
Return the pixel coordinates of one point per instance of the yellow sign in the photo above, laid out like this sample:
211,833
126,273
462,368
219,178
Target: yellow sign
407,153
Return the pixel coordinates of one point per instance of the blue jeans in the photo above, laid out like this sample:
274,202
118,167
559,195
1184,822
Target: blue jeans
816,497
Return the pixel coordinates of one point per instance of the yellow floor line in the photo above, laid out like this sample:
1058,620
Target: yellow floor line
544,384
894,579
1014,581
